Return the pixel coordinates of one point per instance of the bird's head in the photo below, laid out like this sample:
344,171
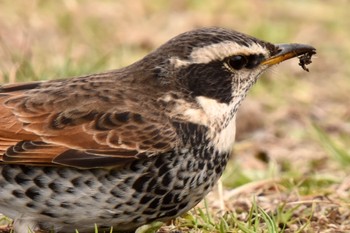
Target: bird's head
203,75
216,67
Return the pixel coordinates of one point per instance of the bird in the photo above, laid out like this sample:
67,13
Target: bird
133,145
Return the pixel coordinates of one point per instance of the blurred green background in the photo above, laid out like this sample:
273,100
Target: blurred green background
300,121
57,38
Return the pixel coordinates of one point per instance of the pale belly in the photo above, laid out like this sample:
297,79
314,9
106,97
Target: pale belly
65,199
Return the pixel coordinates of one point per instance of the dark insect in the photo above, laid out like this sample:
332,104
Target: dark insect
305,59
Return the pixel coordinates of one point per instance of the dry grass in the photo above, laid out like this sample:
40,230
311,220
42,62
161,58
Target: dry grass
290,168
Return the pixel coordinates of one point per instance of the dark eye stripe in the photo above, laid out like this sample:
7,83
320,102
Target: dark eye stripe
254,60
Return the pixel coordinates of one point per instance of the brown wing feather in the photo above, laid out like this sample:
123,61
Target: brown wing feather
31,152
75,123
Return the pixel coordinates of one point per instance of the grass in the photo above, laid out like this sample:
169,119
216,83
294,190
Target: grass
289,172
337,152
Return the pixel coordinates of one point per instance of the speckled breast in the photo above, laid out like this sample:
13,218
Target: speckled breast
157,188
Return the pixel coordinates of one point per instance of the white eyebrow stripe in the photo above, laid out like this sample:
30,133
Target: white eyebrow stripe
218,51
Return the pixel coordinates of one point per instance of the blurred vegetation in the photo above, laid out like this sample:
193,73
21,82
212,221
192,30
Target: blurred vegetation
293,129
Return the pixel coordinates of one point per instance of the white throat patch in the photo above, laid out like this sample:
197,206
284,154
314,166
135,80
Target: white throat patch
222,127
212,114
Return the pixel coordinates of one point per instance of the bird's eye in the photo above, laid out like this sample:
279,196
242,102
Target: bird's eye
237,62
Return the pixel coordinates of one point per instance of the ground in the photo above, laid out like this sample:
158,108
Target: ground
289,171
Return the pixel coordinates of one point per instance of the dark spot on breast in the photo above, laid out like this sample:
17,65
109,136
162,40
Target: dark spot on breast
49,214
201,165
66,205
112,200
218,170
116,215
139,184
68,222
21,179
151,185
102,189
78,204
154,204
123,187
18,193
109,177
149,212
130,203
31,205
167,208
39,181
114,172
116,193
159,162
186,180
48,171
70,190
7,174
171,213
179,187
190,165
134,166
176,198
128,180
163,169
33,193
182,205
63,172
89,183
136,219
167,199
27,169
96,197
160,191
77,181
145,199
167,179
50,203
118,206
55,187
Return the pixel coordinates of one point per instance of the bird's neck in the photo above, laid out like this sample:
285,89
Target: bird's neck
218,118
221,123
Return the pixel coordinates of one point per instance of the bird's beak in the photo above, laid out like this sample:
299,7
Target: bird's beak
287,51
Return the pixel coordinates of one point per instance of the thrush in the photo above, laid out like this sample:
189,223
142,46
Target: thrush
133,145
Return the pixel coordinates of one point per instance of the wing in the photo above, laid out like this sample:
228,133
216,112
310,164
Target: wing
82,122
